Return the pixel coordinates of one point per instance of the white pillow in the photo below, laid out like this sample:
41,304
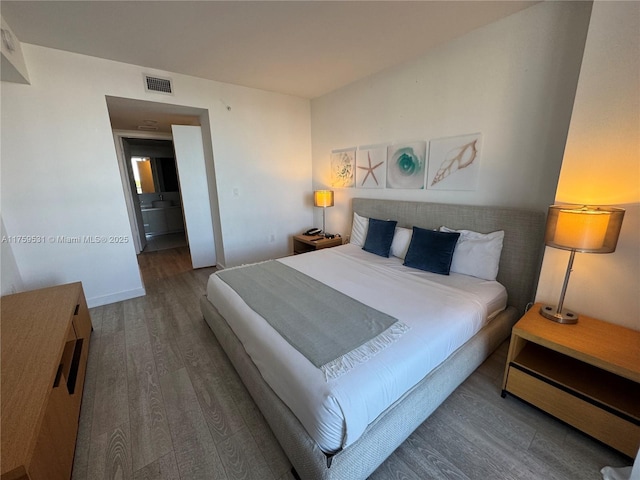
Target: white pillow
477,254
359,230
401,241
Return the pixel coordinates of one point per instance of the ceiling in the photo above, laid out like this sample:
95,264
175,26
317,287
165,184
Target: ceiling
130,114
302,48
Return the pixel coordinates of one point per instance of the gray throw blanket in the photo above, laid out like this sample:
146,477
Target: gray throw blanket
334,331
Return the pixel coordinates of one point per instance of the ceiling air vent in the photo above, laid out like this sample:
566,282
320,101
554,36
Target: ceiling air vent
158,84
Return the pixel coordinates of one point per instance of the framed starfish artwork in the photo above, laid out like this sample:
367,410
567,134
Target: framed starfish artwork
371,167
454,162
343,164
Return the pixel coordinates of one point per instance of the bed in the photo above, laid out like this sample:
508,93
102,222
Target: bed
328,432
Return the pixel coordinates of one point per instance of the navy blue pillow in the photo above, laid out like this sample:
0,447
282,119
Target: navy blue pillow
380,236
431,250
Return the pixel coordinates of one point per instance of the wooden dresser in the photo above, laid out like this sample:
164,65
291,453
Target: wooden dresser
45,343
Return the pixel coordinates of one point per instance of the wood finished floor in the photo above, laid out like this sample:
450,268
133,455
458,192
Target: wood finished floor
162,401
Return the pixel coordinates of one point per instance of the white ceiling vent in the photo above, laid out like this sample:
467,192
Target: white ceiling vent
158,84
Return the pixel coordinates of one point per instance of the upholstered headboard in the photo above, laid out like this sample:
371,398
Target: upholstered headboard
523,235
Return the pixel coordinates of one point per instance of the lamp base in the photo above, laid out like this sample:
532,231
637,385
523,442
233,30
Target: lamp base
565,316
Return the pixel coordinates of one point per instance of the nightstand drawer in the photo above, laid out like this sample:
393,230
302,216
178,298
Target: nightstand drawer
594,420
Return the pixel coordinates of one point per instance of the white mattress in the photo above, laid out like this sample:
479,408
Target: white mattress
443,312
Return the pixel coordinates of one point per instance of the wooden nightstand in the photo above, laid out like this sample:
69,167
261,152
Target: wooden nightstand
309,243
587,375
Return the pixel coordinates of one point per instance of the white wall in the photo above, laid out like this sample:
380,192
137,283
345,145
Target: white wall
262,152
60,175
601,166
513,80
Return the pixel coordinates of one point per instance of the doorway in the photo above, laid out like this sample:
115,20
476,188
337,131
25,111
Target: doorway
193,156
152,169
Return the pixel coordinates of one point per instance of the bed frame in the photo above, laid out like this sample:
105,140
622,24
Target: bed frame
519,267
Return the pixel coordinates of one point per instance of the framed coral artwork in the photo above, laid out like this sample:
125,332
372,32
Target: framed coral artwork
454,162
343,166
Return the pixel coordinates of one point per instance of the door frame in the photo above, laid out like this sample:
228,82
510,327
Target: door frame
118,135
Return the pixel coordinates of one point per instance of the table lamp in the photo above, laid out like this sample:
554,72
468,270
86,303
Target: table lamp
584,229
324,199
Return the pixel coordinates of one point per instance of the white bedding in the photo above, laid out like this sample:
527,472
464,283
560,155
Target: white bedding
443,312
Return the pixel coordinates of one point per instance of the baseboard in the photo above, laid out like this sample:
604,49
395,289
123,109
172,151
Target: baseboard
115,297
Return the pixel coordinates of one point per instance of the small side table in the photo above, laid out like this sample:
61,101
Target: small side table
310,243
587,375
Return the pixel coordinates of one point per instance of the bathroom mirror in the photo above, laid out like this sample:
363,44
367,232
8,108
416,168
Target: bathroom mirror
154,175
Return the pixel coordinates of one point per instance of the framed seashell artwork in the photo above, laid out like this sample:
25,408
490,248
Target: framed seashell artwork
406,165
454,162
